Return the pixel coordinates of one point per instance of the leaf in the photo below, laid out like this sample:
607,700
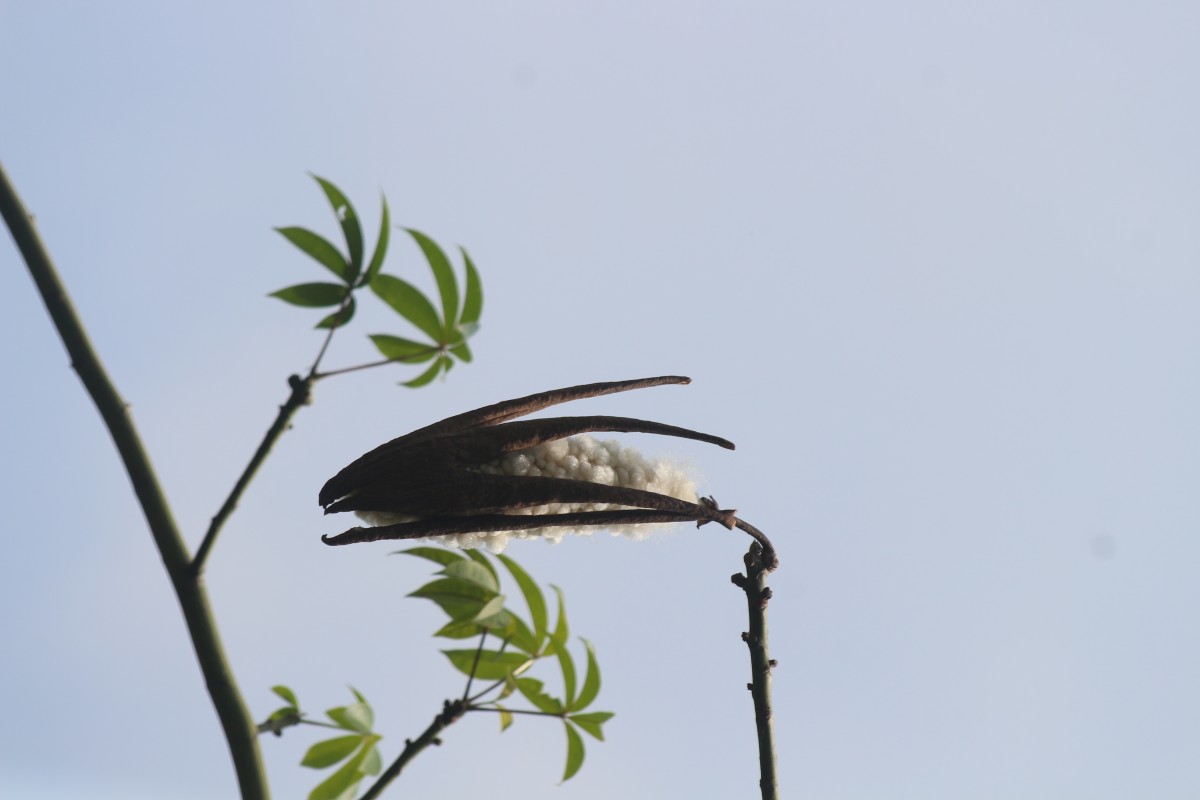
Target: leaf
351,229
312,295
561,632
405,350
520,636
567,664
473,572
347,776
463,352
533,597
359,695
373,763
381,245
354,717
590,723
287,694
319,248
437,554
473,302
339,318
574,752
482,560
493,665
591,683
531,689
491,611
460,599
408,301
459,629
329,752
447,284
425,377
506,718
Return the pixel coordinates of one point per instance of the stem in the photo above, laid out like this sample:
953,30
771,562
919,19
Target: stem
759,562
301,396
451,713
238,726
412,359
474,665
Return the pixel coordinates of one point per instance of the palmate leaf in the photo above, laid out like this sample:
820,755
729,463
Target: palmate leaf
351,229
447,284
574,752
403,350
493,665
591,682
312,295
461,600
354,717
381,245
287,694
340,317
438,555
319,248
533,598
348,776
408,301
590,723
428,375
473,572
330,751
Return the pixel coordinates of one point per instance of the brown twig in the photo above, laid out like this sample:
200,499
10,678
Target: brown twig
760,560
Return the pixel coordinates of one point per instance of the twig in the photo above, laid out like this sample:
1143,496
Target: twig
236,722
452,711
760,560
301,395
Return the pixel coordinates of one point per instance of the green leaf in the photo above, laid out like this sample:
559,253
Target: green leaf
591,683
447,284
521,637
287,694
506,718
533,598
460,599
462,352
493,665
405,350
425,377
312,295
568,669
381,245
491,611
473,302
351,229
329,752
459,629
574,752
482,560
437,554
373,763
408,301
319,248
339,318
532,690
473,572
354,717
590,723
347,776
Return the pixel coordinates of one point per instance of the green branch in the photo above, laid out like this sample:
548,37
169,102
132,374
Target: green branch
235,720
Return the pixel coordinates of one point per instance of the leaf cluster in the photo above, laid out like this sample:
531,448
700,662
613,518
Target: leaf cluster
447,324
357,748
468,591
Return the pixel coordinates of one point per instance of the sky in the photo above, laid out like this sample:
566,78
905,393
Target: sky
933,266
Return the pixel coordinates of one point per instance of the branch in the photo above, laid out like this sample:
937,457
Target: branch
452,711
235,720
301,396
760,560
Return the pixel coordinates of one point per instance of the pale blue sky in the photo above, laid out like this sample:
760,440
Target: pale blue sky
933,266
